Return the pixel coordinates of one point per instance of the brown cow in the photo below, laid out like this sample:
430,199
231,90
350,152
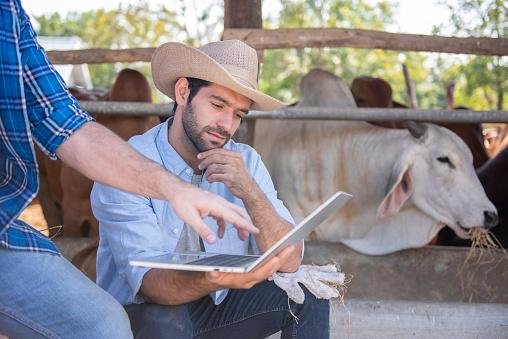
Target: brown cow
371,92
376,92
86,259
65,194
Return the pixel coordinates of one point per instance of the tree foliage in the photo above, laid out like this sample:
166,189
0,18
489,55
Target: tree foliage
482,82
137,25
133,25
282,69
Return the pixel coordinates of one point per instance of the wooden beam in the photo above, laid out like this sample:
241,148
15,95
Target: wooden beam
305,37
360,38
100,55
244,14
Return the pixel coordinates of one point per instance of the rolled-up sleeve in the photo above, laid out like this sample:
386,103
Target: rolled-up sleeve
265,183
128,224
54,114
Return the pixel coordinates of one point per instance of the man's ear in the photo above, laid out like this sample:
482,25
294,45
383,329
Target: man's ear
181,91
399,190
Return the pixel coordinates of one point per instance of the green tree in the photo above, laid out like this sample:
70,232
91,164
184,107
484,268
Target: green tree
133,25
482,81
282,69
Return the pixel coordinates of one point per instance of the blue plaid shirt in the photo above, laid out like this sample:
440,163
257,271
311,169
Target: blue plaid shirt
35,105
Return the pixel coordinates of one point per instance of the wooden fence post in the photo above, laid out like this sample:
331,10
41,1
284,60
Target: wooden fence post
243,14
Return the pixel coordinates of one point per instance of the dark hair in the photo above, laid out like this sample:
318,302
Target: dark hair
194,87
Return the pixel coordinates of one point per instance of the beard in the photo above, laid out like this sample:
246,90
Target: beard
196,135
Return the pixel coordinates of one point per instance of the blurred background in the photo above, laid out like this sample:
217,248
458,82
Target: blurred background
480,81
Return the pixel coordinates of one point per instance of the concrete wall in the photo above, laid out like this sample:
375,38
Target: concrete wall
365,319
426,274
406,319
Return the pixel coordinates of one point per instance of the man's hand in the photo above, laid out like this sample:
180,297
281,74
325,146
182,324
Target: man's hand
192,204
229,168
174,287
247,280
92,148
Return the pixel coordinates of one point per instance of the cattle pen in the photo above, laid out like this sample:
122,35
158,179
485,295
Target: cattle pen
412,293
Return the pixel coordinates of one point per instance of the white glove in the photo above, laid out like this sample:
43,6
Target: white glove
325,282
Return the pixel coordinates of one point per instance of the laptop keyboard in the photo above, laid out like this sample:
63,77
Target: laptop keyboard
225,260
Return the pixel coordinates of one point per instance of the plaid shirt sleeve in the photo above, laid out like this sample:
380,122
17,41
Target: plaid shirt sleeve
34,105
53,112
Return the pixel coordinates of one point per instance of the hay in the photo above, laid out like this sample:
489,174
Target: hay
482,258
482,241
340,287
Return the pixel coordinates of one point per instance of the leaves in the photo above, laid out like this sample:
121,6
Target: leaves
481,82
130,26
282,69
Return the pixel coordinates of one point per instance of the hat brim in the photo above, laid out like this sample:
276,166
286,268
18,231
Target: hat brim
174,60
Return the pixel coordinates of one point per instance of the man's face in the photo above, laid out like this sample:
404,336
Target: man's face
213,116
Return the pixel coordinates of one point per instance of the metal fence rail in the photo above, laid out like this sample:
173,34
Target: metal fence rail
315,113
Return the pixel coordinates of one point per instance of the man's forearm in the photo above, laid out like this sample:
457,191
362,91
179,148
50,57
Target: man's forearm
272,227
168,287
104,157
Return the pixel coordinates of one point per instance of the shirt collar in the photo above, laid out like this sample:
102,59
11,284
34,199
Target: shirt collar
170,157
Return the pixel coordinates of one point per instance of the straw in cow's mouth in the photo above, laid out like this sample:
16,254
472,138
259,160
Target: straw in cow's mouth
467,230
481,240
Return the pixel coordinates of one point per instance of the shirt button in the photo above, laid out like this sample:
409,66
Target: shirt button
175,230
188,171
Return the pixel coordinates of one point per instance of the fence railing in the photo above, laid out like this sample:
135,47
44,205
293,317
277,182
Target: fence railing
314,113
306,37
362,38
311,37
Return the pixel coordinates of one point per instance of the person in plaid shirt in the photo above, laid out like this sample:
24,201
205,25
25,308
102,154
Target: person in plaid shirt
41,293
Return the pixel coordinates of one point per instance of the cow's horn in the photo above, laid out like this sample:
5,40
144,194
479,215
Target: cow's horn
416,129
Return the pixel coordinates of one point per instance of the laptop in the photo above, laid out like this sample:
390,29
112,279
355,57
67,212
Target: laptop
207,262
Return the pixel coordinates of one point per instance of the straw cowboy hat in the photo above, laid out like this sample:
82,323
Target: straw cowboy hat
230,63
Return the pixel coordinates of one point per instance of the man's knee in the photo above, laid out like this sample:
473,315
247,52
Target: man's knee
314,307
159,321
109,321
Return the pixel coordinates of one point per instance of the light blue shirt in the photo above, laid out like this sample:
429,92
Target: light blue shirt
134,227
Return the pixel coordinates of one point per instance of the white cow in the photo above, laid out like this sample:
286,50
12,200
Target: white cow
406,185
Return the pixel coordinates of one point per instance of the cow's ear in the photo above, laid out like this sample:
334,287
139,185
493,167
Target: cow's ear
400,189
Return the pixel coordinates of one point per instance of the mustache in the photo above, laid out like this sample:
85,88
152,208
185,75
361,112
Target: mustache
218,130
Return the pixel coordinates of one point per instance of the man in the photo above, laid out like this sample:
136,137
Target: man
213,88
41,293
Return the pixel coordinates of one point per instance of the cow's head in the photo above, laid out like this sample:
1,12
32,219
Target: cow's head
436,174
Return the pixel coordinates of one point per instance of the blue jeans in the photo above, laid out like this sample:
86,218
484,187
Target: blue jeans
43,295
254,313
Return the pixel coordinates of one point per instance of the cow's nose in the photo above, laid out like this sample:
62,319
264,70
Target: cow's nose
491,219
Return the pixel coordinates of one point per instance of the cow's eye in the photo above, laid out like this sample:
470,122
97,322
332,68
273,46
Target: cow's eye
446,160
